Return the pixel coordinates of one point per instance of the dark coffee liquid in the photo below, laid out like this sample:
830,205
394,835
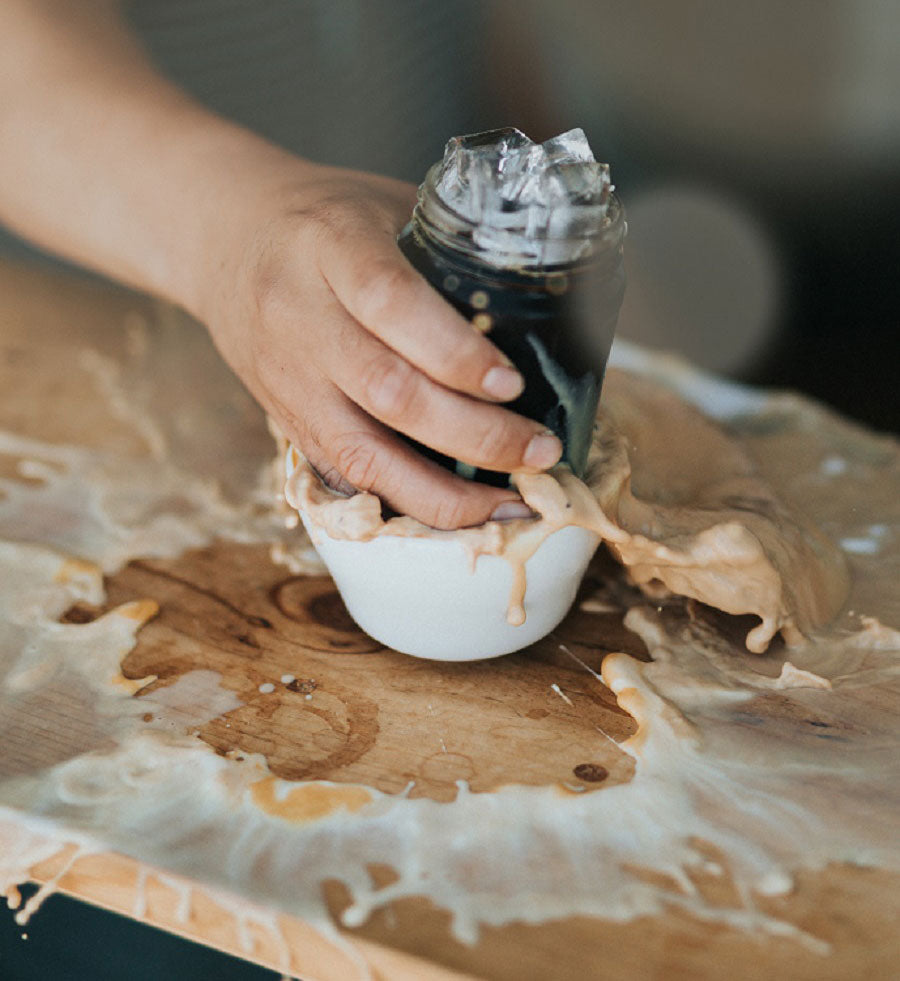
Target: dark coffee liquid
555,324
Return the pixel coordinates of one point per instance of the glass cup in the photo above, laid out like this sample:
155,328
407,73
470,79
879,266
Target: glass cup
552,315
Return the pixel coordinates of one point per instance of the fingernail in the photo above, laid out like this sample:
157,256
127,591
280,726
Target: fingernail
503,383
511,509
542,452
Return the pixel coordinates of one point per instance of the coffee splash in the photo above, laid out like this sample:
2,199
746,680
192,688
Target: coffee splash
694,519
767,760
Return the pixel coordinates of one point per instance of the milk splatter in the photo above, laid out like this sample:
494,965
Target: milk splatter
767,761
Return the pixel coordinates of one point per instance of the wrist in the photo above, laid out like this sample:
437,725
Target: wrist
236,185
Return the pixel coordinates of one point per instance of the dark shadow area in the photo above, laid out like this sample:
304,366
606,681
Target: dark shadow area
68,940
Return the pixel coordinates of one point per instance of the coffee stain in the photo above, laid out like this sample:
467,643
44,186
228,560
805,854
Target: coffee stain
734,763
315,604
307,801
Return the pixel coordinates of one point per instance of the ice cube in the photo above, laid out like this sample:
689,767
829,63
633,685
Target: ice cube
492,147
509,242
525,199
586,182
569,147
461,184
571,222
537,218
520,175
493,142
471,167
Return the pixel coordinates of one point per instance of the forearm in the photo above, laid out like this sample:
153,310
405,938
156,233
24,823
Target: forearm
105,162
293,267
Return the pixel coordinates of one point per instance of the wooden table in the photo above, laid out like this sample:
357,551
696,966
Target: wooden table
382,720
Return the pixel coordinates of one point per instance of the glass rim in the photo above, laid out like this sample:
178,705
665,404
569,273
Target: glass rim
455,231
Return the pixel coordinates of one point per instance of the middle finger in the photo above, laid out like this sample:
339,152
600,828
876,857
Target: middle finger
478,433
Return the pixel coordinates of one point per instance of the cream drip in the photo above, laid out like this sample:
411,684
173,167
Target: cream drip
699,520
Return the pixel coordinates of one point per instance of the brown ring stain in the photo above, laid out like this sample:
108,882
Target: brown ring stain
314,603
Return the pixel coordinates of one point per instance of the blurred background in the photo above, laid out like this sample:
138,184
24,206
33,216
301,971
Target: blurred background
757,149
756,146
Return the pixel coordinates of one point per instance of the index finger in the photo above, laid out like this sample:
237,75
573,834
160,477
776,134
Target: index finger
377,285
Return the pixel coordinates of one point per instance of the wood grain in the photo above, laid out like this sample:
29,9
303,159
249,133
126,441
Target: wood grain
358,713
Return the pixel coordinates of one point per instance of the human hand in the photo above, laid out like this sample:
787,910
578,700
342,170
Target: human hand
342,341
294,267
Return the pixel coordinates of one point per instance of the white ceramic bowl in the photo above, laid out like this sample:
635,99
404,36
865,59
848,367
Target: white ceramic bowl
422,595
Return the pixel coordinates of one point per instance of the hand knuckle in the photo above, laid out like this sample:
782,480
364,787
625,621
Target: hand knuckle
321,223
356,459
390,386
494,442
381,290
462,362
333,478
330,474
449,512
